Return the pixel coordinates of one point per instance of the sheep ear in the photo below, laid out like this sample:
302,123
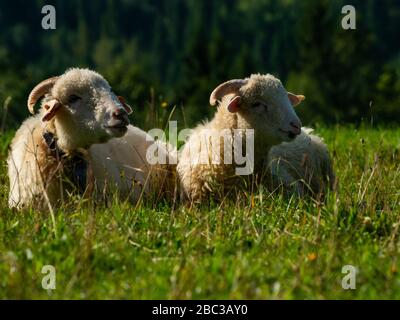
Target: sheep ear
295,99
126,106
51,107
234,104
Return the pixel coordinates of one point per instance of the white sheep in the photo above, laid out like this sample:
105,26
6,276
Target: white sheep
257,105
71,136
302,166
79,110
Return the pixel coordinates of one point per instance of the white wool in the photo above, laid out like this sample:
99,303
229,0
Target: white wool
264,108
302,166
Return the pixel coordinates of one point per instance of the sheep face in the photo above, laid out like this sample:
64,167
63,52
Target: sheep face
82,104
264,105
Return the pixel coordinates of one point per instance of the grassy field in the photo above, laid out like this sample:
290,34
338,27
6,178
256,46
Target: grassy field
261,247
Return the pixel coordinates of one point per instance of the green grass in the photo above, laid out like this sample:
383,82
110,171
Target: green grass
265,248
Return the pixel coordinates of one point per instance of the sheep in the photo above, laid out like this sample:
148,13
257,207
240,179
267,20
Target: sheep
257,107
129,166
79,109
302,166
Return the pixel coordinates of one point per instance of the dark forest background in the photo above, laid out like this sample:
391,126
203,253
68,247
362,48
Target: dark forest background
165,53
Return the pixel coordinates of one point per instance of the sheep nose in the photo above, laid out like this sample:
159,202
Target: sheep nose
119,114
296,127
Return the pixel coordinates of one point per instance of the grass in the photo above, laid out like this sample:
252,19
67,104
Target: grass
267,248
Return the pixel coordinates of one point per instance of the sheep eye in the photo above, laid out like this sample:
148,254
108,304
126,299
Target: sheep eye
259,104
73,98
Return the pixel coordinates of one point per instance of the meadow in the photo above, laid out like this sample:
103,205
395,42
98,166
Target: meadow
259,246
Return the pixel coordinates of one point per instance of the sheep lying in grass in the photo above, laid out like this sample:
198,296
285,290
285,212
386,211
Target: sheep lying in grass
136,166
258,105
70,140
79,110
302,166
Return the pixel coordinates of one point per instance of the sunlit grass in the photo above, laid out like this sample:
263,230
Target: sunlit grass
279,248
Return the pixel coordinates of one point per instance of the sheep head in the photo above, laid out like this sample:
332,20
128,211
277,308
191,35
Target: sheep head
263,102
81,105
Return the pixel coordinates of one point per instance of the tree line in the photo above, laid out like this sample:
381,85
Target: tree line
168,55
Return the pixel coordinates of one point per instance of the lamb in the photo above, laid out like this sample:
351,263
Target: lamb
302,166
71,137
257,107
79,109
